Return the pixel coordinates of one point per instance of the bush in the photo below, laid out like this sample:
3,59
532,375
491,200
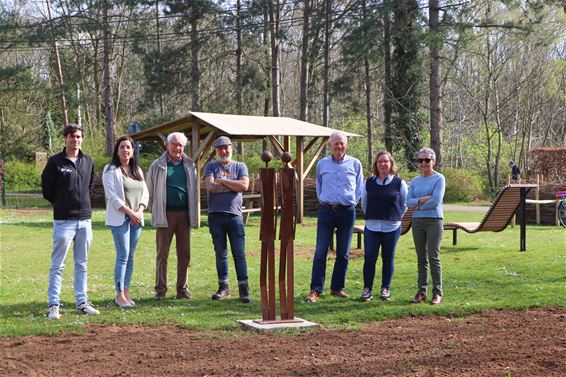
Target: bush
462,185
21,177
254,163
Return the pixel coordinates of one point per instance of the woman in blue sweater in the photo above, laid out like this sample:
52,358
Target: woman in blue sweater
383,202
426,193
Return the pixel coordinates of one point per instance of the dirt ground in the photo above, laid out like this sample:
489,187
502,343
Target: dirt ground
495,343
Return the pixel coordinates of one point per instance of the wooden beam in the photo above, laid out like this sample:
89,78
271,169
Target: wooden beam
163,141
306,149
315,156
206,143
287,143
310,144
277,145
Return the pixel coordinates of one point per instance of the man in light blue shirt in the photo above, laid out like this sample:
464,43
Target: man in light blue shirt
339,182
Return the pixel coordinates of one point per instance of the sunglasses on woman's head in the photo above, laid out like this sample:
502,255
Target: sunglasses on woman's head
427,160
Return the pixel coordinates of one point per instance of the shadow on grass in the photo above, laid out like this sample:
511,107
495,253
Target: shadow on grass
48,224
201,310
457,249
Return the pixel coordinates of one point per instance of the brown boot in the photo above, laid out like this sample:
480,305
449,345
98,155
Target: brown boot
244,293
223,291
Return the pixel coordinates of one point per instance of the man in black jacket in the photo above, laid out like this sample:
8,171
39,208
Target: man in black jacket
67,182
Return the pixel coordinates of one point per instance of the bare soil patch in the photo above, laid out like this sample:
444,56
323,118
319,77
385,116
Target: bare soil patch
494,343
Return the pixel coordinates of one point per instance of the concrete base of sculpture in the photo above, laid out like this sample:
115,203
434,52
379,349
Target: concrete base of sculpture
276,325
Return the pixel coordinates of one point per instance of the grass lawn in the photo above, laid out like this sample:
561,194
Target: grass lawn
484,271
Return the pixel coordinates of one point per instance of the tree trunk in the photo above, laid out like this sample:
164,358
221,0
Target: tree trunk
387,98
367,80
238,59
59,73
304,89
239,104
274,15
435,89
266,48
326,69
158,40
195,69
108,113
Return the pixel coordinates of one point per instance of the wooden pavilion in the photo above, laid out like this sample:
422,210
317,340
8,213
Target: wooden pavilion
203,128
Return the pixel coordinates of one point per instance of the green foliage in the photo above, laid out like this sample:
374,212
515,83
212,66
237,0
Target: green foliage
408,175
462,185
254,162
21,176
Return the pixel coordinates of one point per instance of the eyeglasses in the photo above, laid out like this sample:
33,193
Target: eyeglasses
427,160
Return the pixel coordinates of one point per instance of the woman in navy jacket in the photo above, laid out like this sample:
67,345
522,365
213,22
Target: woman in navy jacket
383,202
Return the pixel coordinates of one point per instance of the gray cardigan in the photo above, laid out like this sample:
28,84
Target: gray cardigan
157,185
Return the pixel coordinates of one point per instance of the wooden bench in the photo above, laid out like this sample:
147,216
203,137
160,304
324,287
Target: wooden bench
247,208
359,229
498,215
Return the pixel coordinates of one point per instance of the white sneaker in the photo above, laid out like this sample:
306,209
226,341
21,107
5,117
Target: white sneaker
53,312
86,308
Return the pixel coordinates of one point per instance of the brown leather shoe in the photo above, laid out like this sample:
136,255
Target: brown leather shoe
184,296
313,296
340,294
419,297
436,299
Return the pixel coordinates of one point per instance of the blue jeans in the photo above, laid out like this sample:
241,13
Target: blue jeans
126,238
372,242
64,232
343,222
221,225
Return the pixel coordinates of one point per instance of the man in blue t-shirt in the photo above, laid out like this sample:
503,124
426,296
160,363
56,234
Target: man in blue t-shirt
225,180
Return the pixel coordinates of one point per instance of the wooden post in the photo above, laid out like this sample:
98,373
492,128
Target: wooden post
299,168
249,203
195,140
537,197
523,246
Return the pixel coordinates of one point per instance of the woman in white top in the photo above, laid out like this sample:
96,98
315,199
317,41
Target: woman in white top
126,198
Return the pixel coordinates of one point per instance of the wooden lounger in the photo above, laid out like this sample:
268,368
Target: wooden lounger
497,217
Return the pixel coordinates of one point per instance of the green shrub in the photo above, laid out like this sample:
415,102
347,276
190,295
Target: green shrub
101,160
21,177
254,163
408,175
462,185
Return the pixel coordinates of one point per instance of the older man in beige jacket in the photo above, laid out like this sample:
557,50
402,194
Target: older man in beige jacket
171,181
